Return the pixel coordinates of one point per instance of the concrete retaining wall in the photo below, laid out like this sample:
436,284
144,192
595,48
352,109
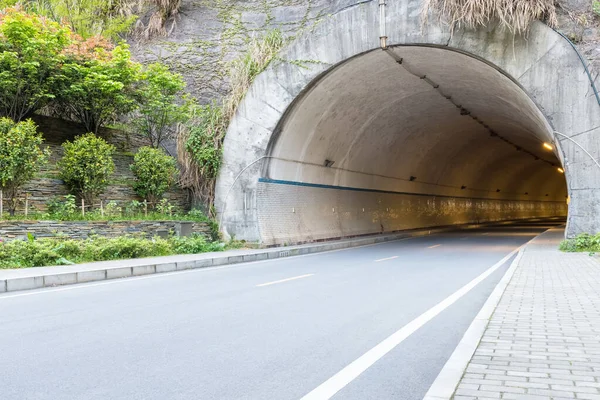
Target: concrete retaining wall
290,214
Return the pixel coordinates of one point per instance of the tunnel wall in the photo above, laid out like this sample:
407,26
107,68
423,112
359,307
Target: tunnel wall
543,64
290,212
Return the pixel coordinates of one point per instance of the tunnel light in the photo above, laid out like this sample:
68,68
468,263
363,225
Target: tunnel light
548,146
562,171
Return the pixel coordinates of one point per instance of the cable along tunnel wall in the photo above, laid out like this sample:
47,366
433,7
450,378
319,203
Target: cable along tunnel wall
363,143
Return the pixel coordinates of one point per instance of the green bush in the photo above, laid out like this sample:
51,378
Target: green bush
154,171
21,156
582,243
86,166
193,245
60,251
62,207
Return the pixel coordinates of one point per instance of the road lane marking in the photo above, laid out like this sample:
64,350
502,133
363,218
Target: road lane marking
433,247
284,280
386,259
78,286
337,382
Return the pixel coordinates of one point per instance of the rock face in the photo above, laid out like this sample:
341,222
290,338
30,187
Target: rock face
208,34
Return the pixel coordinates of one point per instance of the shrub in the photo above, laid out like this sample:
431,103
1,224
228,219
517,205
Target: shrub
62,207
20,157
60,251
158,97
154,171
582,243
86,166
192,245
30,58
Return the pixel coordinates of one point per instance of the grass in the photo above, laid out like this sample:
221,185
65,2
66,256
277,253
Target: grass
515,15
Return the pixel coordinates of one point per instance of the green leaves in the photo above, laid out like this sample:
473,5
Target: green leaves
56,251
98,90
161,103
30,60
86,166
21,156
155,172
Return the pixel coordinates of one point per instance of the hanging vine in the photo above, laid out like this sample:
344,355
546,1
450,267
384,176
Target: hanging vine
200,141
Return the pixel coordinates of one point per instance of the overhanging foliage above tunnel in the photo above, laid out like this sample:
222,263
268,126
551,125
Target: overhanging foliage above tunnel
515,15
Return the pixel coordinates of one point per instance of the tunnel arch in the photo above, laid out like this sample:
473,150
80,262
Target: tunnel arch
408,151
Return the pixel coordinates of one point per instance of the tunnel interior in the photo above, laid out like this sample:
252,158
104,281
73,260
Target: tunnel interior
407,138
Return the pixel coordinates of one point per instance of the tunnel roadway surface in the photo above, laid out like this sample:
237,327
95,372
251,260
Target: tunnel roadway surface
275,329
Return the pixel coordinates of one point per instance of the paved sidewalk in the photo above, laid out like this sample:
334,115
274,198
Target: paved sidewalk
543,340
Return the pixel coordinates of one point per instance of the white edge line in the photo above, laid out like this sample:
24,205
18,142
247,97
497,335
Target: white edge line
445,384
284,280
433,247
337,382
386,259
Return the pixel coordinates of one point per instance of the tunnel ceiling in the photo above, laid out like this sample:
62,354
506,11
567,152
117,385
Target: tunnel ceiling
381,122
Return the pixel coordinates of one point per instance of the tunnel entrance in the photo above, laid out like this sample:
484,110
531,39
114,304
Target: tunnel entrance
407,138
342,138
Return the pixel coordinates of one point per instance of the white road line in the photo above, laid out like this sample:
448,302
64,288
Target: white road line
386,259
337,382
433,247
284,280
79,286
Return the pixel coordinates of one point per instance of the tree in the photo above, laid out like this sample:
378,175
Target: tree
155,172
86,166
159,111
20,157
30,57
99,85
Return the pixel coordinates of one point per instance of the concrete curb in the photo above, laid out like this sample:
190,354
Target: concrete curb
447,381
220,259
51,279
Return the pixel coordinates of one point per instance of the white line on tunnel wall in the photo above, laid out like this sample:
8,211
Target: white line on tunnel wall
386,259
284,280
337,382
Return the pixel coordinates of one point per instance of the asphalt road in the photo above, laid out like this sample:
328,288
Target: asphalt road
250,331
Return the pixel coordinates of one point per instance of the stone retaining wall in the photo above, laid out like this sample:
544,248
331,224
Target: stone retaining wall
47,184
11,230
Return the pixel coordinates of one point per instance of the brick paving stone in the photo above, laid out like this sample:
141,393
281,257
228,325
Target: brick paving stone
543,340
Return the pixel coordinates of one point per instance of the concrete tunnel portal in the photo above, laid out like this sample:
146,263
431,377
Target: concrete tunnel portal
408,138
442,128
